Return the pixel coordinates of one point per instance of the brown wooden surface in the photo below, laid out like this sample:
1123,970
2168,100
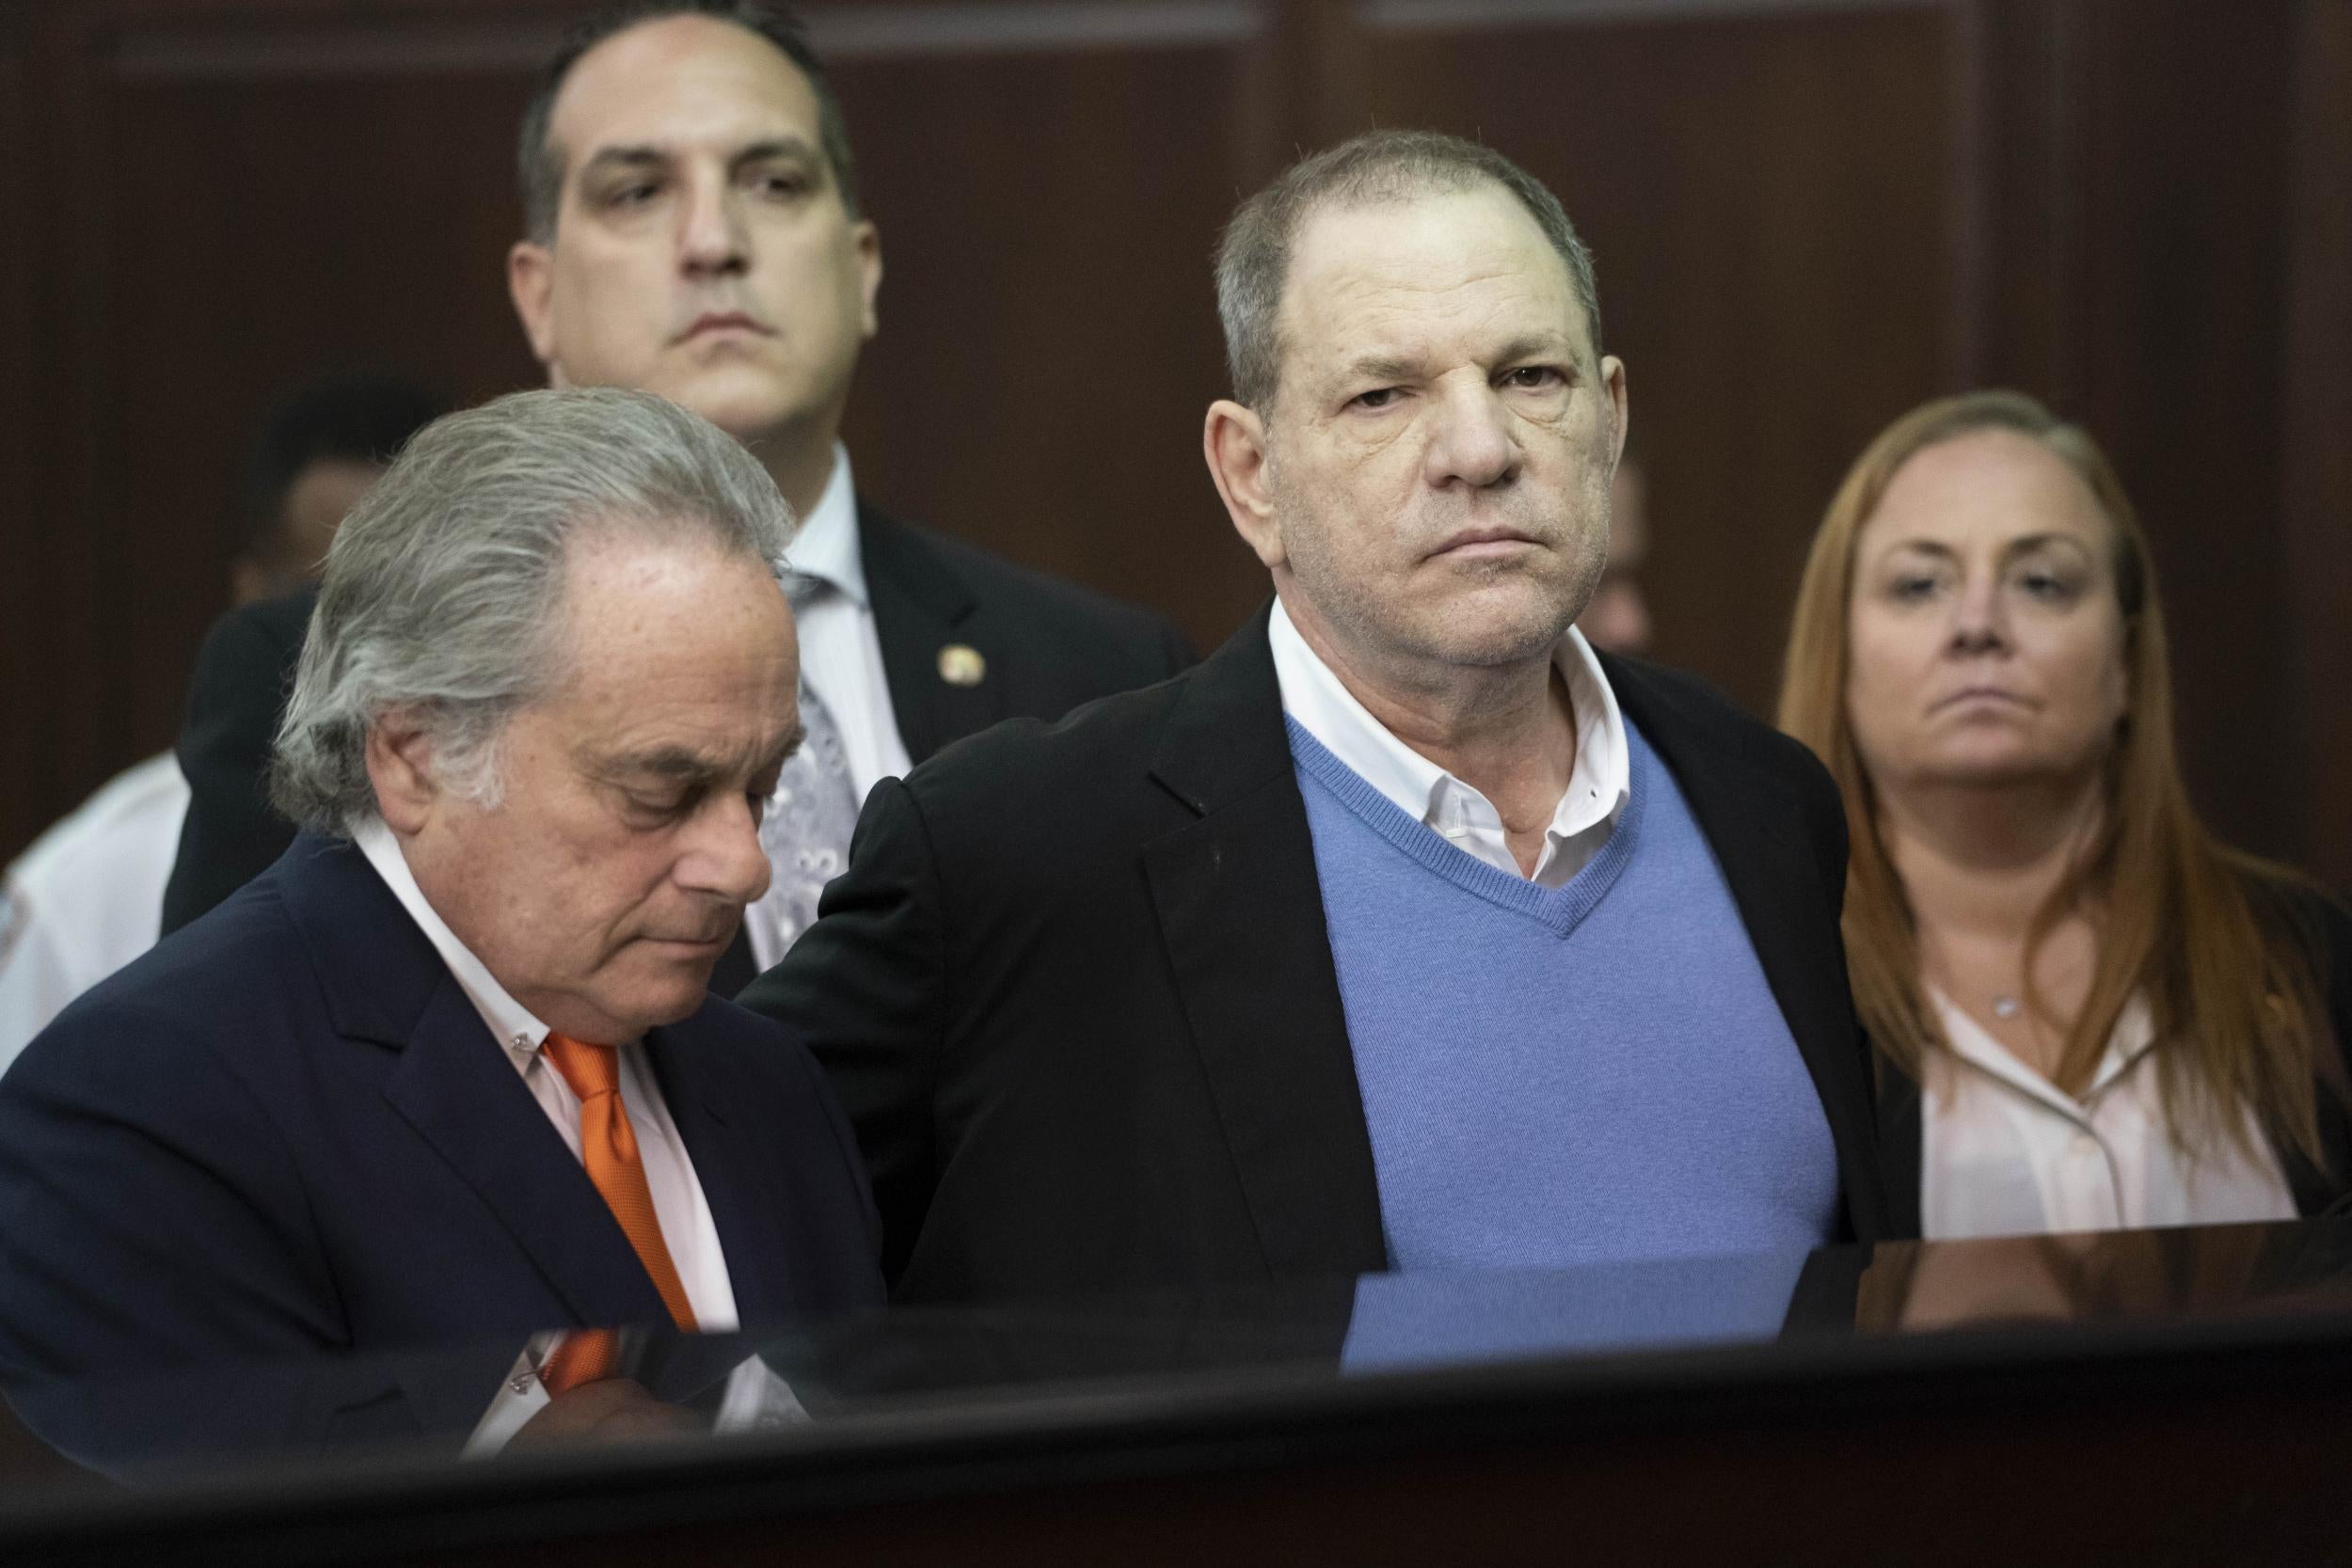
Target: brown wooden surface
2178,312
1049,337
2211,1477
21,797
2315,432
1807,216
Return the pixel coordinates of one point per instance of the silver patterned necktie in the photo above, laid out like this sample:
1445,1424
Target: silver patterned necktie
807,829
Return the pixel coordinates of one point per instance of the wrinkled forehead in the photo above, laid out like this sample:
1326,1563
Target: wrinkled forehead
646,609
1369,275
679,85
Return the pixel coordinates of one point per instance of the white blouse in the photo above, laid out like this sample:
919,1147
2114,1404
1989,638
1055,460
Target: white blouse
2004,1153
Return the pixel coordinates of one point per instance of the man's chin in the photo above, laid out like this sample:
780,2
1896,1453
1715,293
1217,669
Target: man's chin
1511,625
671,981
742,400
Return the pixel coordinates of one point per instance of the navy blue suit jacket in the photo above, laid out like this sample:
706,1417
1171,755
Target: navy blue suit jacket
287,1130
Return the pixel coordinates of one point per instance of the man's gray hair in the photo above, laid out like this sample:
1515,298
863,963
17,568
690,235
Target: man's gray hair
444,587
1381,167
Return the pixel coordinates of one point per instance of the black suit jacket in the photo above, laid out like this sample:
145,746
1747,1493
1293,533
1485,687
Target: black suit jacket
286,1130
2320,926
1046,647
1075,988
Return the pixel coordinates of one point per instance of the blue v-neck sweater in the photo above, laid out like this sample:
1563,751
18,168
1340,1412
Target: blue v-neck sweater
1563,1075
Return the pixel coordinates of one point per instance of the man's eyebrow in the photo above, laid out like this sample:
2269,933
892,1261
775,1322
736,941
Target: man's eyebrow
1381,367
625,157
775,147
666,762
1390,367
642,155
1537,345
784,748
680,762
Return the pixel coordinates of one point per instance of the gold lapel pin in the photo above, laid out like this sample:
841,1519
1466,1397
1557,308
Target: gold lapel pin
960,665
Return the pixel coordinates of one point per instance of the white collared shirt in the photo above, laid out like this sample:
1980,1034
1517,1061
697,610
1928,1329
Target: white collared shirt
686,1228
1599,784
88,897
840,652
2003,1152
755,1399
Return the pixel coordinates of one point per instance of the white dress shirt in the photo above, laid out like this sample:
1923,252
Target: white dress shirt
88,897
755,1399
2004,1153
686,1227
1599,784
840,653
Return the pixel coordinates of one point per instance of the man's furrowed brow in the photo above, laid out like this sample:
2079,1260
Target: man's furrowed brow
1381,367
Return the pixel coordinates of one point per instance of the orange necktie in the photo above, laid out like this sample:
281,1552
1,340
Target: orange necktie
584,1355
608,1147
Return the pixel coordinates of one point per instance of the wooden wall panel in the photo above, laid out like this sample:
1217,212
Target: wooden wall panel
327,206
1765,197
1049,339
1809,213
2315,449
65,732
233,196
20,793
2178,323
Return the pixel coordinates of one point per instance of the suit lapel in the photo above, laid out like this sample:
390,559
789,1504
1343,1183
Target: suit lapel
386,987
735,1182
1241,913
1750,819
457,1089
920,607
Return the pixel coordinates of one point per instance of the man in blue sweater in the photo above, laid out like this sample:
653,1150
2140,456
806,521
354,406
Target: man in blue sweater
1406,931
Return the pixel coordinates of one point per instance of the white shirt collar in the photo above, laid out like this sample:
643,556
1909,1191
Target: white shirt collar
509,1020
826,544
2133,1035
1598,785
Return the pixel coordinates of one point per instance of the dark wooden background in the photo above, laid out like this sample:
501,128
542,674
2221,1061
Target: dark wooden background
1808,216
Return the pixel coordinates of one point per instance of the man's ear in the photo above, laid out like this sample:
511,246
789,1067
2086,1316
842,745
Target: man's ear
868,239
400,766
1234,443
1612,378
531,283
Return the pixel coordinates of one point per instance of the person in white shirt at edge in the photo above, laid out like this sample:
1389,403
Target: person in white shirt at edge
2091,1016
86,897
449,1070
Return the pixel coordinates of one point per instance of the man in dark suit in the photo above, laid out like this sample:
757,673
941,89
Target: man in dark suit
451,1068
1404,932
694,231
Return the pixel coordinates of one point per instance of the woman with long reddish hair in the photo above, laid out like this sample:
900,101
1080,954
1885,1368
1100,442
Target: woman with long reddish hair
2089,1015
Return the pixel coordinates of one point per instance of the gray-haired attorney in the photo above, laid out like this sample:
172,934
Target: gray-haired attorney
449,1069
1406,930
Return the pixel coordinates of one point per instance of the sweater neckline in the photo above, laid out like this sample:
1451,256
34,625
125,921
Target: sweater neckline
1559,910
